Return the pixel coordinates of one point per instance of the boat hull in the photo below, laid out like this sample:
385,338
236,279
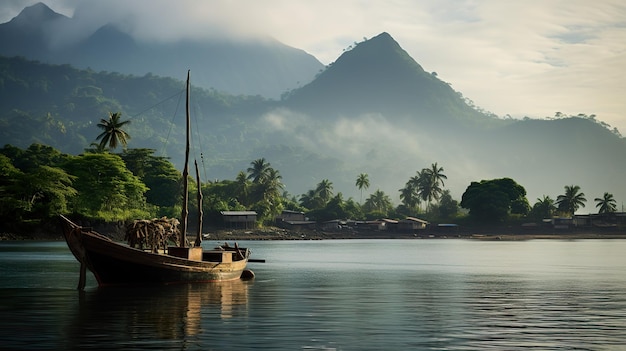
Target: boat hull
114,263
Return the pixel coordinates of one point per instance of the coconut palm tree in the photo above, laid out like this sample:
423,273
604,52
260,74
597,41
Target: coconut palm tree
362,181
409,196
266,182
324,190
436,174
431,183
425,186
309,199
258,170
571,201
242,190
113,134
379,202
544,207
273,185
606,203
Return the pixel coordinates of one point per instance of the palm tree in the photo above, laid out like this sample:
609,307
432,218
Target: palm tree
258,170
571,201
309,199
606,203
425,186
242,188
113,134
413,186
266,182
436,174
362,181
272,185
324,190
447,206
544,207
409,196
379,202
431,183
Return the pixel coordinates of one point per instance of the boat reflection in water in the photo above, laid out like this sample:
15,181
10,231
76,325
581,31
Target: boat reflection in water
152,314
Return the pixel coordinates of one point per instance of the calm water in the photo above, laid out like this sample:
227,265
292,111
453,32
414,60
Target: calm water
333,295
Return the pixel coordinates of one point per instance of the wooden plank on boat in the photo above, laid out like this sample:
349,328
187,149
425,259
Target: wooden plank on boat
190,253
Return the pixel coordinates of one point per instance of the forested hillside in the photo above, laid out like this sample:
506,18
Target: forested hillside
58,105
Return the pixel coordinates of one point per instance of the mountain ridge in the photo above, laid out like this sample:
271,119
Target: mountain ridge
378,76
264,67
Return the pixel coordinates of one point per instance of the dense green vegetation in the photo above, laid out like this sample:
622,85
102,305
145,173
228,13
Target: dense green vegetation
40,182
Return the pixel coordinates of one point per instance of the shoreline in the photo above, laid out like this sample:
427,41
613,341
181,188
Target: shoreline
276,233
476,235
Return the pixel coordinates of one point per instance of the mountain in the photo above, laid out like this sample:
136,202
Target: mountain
261,66
374,126
378,76
29,33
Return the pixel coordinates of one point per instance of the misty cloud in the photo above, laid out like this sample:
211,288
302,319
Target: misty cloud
348,137
390,153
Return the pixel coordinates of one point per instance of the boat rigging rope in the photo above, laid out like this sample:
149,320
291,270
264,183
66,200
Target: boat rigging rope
169,131
180,93
200,146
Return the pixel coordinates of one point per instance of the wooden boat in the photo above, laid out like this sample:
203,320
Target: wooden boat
114,263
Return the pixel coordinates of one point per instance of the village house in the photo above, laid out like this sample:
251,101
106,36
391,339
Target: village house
239,219
294,220
289,215
411,223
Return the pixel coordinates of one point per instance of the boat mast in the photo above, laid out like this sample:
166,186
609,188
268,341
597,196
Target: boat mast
185,211
200,212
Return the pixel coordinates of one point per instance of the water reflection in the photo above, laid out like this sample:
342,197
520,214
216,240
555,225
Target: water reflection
352,295
152,315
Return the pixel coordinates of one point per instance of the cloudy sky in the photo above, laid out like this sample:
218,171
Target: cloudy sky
522,58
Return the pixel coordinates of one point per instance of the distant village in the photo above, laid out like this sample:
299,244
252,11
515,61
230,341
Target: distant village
296,221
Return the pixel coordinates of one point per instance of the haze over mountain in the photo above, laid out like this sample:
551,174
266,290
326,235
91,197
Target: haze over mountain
239,66
375,110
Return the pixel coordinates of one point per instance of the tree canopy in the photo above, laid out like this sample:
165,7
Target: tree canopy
493,200
105,185
157,173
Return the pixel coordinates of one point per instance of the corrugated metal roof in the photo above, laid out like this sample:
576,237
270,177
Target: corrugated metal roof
413,219
238,213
